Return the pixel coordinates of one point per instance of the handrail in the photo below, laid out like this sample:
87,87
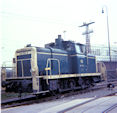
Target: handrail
49,68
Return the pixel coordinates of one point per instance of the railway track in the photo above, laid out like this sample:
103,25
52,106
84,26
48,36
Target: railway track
88,106
47,97
110,108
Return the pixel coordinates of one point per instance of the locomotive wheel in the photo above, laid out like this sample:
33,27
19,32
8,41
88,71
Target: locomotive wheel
82,83
83,86
72,85
88,82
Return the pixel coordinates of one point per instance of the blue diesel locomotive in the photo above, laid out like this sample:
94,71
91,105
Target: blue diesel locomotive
60,66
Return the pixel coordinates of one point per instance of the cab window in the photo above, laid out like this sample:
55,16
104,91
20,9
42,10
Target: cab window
78,50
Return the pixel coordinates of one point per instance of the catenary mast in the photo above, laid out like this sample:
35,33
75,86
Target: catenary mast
87,32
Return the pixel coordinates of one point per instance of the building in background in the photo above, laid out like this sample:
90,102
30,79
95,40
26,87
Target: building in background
102,53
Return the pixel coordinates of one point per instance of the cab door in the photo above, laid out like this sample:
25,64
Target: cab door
53,67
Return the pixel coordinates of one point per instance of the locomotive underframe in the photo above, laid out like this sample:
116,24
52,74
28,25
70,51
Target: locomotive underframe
49,83
19,85
66,82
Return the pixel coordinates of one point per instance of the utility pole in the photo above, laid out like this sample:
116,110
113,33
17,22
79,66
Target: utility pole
64,33
87,32
108,31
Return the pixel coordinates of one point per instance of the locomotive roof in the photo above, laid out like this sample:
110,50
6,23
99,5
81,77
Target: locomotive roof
53,50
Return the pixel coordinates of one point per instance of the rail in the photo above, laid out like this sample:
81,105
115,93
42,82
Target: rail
33,98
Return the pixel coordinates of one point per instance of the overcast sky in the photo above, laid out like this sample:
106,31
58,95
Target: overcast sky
38,22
